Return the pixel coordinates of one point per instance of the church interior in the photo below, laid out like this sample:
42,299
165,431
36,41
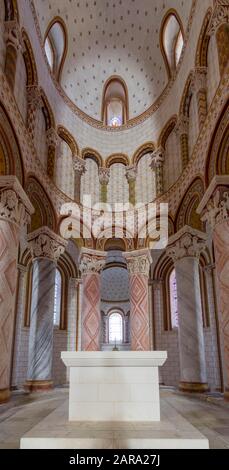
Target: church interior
110,111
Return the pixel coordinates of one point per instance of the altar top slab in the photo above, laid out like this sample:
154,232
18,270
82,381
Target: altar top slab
114,358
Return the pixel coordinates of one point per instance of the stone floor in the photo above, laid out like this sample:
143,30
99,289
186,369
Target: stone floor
209,414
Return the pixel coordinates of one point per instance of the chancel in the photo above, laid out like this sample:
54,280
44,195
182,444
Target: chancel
114,224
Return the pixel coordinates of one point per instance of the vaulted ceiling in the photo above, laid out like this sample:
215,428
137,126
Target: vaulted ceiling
112,37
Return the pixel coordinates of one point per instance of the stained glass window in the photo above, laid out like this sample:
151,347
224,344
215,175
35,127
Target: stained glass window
115,328
57,298
173,299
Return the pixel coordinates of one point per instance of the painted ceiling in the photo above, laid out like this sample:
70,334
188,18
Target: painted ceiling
112,37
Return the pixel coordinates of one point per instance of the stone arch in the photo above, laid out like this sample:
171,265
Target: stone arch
93,154
117,158
30,64
10,154
69,139
166,131
203,42
44,214
186,213
47,111
147,147
217,162
11,10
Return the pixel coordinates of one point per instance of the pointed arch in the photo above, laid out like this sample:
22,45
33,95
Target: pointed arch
11,162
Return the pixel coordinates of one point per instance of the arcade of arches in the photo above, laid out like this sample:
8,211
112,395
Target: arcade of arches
114,103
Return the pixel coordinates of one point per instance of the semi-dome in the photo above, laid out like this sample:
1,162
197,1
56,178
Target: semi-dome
113,38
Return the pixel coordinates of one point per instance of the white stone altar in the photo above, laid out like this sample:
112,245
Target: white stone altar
114,404
114,385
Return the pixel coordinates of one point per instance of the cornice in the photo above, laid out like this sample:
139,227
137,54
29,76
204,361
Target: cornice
131,122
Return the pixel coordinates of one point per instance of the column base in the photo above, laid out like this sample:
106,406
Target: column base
193,387
4,395
38,385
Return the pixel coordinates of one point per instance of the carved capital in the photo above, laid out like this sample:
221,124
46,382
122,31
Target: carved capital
104,175
15,206
79,165
187,242
158,157
131,173
217,208
12,35
182,125
45,243
199,81
52,138
219,16
91,261
34,97
138,262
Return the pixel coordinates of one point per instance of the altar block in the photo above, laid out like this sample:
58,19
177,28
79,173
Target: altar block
111,386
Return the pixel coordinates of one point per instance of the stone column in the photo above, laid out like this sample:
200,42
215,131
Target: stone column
34,103
214,208
79,169
157,165
73,286
138,264
53,141
91,264
104,176
199,86
131,175
46,247
185,248
15,211
181,130
14,44
20,319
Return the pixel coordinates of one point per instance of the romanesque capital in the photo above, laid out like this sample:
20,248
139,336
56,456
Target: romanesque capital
138,262
158,157
15,206
34,96
45,243
52,137
217,208
188,242
91,261
199,81
182,125
79,165
12,34
104,175
131,173
214,207
219,16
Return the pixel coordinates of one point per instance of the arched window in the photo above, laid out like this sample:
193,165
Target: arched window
172,41
173,299
115,328
115,103
56,46
57,299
